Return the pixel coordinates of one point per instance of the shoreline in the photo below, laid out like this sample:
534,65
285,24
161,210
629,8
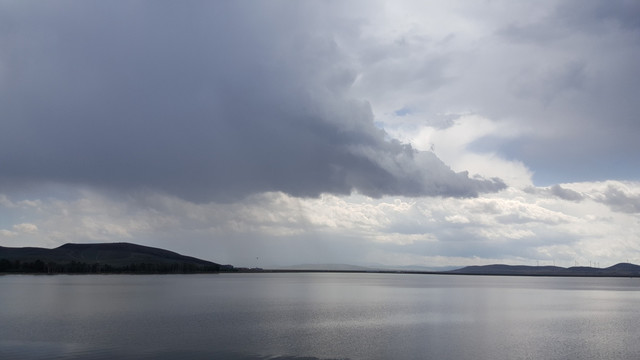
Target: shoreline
402,272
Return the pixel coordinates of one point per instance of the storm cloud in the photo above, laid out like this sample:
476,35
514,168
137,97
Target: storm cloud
207,101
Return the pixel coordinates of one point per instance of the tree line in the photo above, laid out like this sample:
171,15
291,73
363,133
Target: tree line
77,267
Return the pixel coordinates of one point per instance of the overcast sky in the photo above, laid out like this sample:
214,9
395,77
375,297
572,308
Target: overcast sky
276,133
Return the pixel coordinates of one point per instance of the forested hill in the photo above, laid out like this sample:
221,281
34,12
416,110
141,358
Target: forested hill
102,258
618,270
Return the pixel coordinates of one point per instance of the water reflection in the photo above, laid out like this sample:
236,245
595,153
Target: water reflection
44,350
317,316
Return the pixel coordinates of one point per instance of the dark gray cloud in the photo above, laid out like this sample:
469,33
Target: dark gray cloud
204,100
556,191
566,18
619,200
597,14
579,92
566,194
549,84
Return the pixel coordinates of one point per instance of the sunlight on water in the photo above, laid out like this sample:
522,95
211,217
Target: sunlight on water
317,316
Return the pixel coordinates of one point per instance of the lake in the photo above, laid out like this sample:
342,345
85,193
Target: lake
297,316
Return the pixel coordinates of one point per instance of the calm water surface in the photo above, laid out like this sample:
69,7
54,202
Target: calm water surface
318,316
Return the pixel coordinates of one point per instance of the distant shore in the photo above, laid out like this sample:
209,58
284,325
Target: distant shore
276,271
619,270
404,272
128,259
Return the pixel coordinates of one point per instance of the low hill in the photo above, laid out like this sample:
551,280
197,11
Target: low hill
103,257
618,270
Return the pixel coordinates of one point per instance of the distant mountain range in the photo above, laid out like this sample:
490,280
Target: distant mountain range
618,270
99,258
132,258
357,268
326,267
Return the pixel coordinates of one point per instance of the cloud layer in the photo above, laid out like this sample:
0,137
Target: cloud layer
512,226
207,101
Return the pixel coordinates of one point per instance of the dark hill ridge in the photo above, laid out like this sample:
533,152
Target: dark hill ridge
123,253
102,257
618,270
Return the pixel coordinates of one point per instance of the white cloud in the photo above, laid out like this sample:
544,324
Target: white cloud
513,226
453,144
25,228
22,234
4,233
4,201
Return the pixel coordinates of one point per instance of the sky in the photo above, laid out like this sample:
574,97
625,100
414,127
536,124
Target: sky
275,133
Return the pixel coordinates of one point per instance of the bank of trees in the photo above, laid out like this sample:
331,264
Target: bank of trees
77,267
